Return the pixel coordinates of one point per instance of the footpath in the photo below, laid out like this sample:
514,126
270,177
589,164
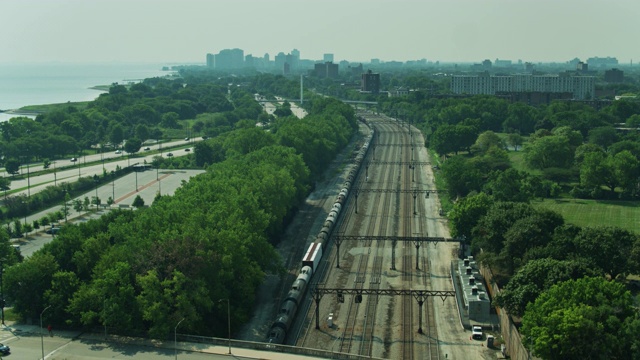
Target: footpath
13,330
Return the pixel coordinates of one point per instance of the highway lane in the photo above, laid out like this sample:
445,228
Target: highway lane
72,171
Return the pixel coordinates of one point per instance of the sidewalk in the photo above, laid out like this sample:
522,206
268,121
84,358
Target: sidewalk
22,330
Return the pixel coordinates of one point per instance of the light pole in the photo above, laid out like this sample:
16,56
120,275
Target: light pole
28,182
42,336
2,287
175,338
228,322
104,309
55,177
26,210
65,206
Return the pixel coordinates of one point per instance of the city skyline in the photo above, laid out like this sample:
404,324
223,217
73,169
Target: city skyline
172,31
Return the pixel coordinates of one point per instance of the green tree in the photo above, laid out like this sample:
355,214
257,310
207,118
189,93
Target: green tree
486,140
467,212
461,176
117,135
626,170
27,282
132,145
603,136
607,248
563,321
138,202
515,140
549,151
537,276
5,185
12,166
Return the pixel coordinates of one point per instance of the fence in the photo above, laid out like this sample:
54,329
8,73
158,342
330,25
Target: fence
512,339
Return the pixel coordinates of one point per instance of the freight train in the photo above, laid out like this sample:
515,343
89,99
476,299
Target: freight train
312,257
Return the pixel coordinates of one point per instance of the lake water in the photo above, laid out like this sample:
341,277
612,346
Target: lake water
37,84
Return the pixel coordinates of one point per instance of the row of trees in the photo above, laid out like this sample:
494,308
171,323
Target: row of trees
147,110
554,275
143,271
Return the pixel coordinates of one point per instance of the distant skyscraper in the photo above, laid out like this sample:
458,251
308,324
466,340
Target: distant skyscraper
210,60
229,59
327,58
279,61
326,70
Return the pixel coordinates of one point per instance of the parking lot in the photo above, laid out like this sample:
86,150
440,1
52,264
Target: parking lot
145,184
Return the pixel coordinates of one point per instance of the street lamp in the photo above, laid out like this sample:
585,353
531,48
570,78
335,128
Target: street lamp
228,322
2,303
26,210
65,205
28,182
135,169
96,180
42,336
175,338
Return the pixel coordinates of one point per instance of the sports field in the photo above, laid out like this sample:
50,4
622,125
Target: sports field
623,214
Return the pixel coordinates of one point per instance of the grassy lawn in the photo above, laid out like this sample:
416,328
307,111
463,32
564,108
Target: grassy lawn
623,214
81,105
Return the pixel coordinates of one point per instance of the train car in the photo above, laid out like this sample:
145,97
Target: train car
313,256
305,274
285,316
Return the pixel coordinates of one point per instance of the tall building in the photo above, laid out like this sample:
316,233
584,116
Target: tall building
614,76
370,82
326,70
228,59
210,60
279,61
582,87
327,58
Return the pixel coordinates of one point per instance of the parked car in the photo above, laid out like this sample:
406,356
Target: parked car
187,149
186,139
476,333
4,349
118,152
170,154
147,148
53,230
74,159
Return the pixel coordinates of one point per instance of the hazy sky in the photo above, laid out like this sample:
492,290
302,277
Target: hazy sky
181,31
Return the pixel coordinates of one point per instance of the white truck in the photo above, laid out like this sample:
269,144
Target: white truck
476,333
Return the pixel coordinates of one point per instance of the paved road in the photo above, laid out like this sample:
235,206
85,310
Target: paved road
67,170
26,342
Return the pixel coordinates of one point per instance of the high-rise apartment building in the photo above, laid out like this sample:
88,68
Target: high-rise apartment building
582,87
370,82
327,58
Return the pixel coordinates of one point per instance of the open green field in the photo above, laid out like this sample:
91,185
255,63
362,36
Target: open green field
623,214
80,105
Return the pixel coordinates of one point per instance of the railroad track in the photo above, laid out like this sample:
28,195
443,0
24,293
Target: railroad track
408,330
350,334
